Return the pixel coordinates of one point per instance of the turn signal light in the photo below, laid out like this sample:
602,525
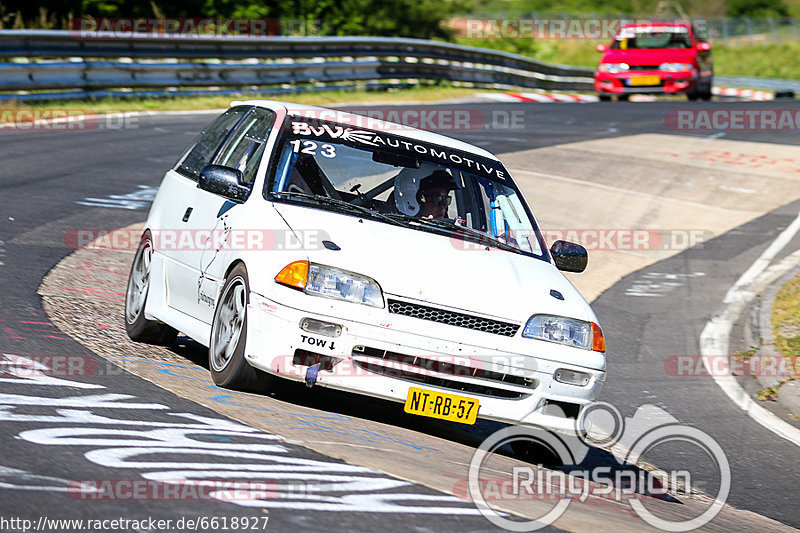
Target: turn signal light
598,341
294,275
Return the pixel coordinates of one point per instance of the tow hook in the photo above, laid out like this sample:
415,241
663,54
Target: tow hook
311,375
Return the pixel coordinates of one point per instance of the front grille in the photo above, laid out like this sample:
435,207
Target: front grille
452,318
643,67
419,369
307,358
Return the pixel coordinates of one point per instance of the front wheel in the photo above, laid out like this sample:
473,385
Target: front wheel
137,326
229,368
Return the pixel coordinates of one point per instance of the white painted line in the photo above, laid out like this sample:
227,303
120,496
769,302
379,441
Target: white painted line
715,335
762,262
626,191
737,189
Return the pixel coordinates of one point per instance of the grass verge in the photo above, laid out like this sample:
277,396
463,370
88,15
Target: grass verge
785,322
415,95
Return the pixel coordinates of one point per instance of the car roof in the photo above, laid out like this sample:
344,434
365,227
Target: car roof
373,123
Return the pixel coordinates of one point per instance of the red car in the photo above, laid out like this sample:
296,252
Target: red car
655,59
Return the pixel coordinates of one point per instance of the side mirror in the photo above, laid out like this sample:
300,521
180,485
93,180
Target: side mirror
601,48
569,256
704,47
224,181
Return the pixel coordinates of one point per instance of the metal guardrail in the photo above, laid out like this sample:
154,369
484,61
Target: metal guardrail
146,61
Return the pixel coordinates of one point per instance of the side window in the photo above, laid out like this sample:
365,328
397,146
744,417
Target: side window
699,35
244,148
203,148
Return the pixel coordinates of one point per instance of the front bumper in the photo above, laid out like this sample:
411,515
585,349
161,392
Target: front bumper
384,360
626,82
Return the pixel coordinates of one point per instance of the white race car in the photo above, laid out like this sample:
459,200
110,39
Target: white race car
371,257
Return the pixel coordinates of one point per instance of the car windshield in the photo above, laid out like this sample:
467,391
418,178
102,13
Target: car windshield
405,182
659,37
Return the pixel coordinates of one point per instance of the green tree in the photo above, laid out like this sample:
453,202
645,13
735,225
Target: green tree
757,8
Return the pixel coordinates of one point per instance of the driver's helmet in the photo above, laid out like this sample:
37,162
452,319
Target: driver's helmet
409,183
438,180
406,185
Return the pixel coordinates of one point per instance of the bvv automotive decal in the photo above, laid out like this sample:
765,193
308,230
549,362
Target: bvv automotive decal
335,132
471,164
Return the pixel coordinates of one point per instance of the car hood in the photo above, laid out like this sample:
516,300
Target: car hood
438,269
650,56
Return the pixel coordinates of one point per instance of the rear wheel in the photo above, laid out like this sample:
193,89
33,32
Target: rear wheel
137,326
706,94
623,97
229,368
604,97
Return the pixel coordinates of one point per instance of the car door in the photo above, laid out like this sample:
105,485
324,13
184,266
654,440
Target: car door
177,236
242,150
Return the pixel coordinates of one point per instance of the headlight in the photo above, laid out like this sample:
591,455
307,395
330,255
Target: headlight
613,68
675,67
331,282
568,331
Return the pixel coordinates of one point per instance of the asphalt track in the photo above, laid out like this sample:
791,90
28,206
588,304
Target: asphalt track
45,173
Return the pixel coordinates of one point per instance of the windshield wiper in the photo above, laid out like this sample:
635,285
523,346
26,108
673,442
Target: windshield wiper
452,227
341,203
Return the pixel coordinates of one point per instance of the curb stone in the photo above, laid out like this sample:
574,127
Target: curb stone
789,393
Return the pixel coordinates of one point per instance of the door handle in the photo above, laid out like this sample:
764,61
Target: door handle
187,214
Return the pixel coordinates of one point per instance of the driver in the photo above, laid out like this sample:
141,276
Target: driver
433,195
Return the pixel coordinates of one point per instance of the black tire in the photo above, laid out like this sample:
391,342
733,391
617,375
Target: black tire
706,94
692,96
604,97
623,97
537,453
226,360
140,329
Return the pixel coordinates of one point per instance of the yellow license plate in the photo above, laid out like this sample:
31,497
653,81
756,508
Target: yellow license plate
440,405
644,80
